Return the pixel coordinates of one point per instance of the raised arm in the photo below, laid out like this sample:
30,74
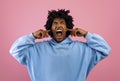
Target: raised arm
20,48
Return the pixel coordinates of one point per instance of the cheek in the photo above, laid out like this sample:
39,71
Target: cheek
65,29
53,28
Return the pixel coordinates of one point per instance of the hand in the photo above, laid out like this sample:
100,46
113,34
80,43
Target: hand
78,32
41,34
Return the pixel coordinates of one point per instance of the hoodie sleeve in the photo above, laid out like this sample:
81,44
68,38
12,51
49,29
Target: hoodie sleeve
100,47
97,49
19,49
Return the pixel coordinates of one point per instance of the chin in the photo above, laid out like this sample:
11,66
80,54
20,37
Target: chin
59,40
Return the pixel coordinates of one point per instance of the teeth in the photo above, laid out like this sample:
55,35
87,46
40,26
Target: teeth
59,30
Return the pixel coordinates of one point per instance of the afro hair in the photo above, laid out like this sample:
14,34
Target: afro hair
60,13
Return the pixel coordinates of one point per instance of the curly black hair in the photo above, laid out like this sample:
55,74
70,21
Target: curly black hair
60,13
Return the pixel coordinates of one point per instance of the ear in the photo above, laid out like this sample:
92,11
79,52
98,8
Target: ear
50,33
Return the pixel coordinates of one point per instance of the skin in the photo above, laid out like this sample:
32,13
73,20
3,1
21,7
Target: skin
59,24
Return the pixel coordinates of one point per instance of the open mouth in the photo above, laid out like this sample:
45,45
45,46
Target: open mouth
59,32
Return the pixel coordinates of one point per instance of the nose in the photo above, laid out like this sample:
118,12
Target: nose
59,26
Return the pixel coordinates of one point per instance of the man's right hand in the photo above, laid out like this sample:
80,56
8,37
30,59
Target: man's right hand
39,34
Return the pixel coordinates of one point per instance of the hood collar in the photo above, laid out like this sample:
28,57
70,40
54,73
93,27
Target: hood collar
67,40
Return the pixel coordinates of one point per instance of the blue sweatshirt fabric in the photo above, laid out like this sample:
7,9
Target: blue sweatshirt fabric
66,61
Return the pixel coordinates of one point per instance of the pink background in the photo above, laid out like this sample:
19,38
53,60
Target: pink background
21,17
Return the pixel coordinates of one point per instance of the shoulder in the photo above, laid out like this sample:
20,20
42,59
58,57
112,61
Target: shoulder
42,42
79,43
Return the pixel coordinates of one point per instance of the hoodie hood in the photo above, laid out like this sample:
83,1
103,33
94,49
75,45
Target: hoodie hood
66,41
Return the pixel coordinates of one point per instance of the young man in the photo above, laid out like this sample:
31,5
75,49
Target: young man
60,58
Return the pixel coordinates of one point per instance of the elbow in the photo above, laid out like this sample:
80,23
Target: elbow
107,51
11,51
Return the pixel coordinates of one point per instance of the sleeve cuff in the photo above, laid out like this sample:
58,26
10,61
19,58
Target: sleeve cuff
31,36
88,36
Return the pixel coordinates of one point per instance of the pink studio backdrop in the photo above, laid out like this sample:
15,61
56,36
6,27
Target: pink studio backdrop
21,17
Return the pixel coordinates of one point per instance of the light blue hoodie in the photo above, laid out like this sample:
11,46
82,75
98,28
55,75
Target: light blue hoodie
65,61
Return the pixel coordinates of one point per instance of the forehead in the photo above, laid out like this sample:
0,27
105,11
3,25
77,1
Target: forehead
58,19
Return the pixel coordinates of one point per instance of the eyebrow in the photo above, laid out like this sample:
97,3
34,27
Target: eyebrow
60,21
54,21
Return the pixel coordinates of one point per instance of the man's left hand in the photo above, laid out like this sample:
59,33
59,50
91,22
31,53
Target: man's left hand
78,32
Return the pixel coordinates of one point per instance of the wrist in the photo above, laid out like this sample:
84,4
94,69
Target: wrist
86,32
34,36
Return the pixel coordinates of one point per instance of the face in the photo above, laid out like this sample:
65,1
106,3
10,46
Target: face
59,29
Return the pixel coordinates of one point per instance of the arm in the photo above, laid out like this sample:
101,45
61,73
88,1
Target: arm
96,42
98,46
98,49
21,48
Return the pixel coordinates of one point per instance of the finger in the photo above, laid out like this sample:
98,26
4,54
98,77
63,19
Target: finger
78,33
40,35
70,30
48,31
46,34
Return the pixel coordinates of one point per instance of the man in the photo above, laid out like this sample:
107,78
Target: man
60,58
